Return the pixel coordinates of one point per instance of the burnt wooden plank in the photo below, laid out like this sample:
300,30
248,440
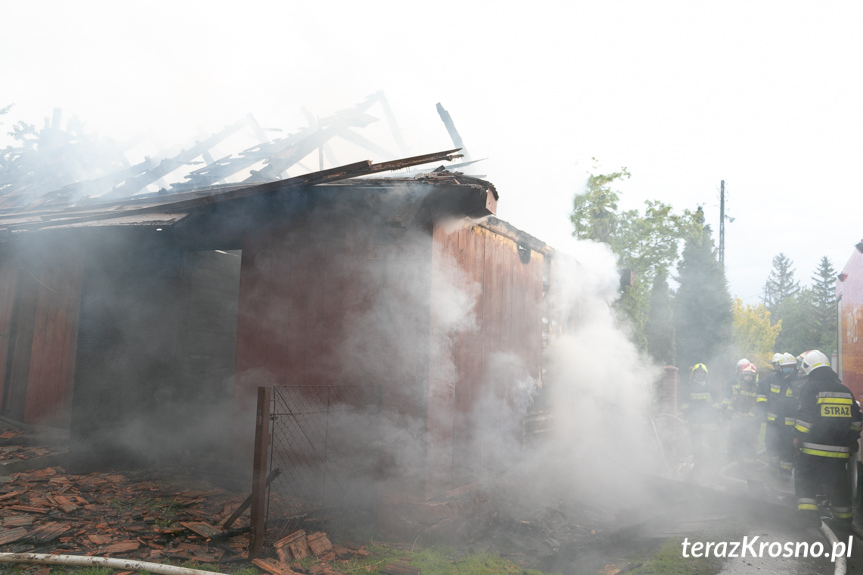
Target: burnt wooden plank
48,532
25,314
18,521
8,292
202,528
13,535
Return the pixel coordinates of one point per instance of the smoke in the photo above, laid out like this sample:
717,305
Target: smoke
380,305
600,389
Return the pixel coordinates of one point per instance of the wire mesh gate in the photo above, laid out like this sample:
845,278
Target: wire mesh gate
315,453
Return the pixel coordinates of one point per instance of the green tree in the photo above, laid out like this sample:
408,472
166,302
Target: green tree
660,321
644,242
780,283
754,335
809,315
824,303
702,308
594,215
799,329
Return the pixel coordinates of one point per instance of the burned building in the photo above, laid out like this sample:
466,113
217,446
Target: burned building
397,325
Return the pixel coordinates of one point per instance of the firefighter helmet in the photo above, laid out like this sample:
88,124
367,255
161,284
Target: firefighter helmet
699,373
741,364
777,357
814,359
749,372
788,359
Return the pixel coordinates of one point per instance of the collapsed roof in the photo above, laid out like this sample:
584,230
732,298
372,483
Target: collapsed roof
62,178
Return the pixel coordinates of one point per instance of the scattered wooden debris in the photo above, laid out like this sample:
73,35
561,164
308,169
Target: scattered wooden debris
319,544
293,546
111,515
274,567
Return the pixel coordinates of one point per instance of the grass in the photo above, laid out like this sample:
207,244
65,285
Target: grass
431,561
438,560
669,560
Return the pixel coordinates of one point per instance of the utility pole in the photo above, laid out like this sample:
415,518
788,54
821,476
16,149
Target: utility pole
722,224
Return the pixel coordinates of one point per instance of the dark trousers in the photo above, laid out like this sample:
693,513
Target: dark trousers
785,443
814,475
771,441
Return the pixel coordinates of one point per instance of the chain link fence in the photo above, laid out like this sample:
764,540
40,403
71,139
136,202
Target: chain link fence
321,455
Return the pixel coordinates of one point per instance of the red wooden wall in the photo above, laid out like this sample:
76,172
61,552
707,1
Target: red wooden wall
39,306
52,356
505,346
307,290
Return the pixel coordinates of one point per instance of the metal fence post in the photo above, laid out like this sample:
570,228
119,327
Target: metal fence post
259,473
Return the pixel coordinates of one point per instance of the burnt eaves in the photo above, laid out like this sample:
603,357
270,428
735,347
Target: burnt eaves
189,201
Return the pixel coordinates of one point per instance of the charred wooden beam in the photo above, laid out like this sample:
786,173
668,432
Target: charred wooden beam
190,201
450,127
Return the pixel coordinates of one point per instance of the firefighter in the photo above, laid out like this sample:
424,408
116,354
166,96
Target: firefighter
728,393
745,424
786,406
773,388
826,431
701,410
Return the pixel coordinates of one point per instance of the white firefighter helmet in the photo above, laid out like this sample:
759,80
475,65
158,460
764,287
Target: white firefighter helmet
814,359
741,364
787,359
777,357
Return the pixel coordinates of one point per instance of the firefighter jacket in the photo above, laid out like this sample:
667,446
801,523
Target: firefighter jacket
744,397
828,419
785,406
700,405
777,396
763,394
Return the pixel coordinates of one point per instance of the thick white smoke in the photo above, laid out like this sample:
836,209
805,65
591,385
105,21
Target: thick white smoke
600,389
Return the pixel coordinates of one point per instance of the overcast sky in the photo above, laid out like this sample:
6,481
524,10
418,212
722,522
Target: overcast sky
764,95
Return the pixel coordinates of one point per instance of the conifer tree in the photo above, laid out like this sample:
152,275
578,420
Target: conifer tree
780,283
703,307
824,304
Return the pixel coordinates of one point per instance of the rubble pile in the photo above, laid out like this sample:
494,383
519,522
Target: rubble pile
293,549
138,517
17,446
47,510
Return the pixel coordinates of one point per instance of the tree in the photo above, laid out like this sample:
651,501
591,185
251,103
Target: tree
594,214
754,335
799,330
809,316
780,283
644,243
703,308
660,321
824,304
